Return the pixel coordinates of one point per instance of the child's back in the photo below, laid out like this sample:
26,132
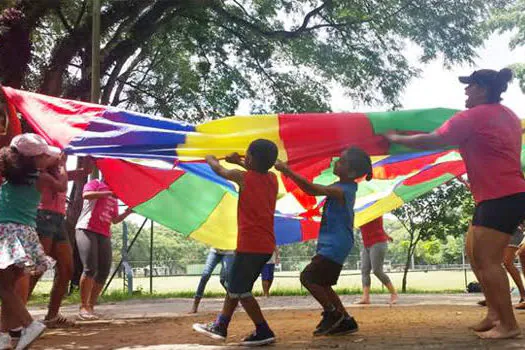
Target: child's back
336,235
256,213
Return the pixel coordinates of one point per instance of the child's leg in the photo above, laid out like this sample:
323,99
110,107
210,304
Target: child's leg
366,269
336,301
14,312
319,277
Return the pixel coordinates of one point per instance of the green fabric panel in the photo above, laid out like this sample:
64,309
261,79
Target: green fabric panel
365,188
185,205
410,120
407,193
425,120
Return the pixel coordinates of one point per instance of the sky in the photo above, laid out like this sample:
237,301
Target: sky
439,87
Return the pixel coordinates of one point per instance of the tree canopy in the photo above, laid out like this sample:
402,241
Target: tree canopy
197,59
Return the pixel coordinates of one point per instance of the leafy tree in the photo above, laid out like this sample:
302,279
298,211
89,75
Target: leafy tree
196,59
442,212
510,18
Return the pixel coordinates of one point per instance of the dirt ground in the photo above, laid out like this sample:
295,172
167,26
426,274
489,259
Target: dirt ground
398,327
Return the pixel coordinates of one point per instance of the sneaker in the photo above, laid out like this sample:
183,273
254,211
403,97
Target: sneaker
347,326
212,330
30,334
259,339
15,335
5,341
330,320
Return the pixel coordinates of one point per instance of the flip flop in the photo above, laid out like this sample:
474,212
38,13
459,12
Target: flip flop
87,316
520,306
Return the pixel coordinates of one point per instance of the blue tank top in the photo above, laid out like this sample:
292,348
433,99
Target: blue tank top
336,235
19,203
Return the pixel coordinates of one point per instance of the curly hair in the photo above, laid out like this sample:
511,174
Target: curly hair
15,167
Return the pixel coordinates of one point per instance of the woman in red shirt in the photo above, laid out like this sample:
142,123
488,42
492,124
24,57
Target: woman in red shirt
488,136
375,242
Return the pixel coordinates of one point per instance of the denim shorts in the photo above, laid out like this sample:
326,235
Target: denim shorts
52,225
245,269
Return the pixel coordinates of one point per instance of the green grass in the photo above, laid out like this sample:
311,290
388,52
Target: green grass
39,299
285,284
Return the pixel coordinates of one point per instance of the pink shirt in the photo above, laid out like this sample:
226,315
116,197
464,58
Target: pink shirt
53,201
489,140
97,213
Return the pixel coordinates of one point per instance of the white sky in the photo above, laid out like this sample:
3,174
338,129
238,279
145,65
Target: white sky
439,87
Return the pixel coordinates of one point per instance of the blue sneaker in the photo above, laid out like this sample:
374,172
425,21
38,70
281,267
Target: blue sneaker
259,338
212,330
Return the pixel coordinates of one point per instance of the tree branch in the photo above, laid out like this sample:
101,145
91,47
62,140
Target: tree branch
63,19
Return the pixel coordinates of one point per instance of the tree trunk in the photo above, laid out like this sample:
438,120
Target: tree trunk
407,264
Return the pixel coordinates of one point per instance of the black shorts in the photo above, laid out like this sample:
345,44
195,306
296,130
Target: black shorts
51,225
245,269
502,214
321,271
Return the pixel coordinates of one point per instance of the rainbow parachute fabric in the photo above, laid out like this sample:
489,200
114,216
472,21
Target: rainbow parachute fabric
155,165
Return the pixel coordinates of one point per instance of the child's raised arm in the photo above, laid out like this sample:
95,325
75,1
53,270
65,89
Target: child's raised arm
309,187
229,174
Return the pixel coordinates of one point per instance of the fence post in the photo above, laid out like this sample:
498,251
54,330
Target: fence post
151,260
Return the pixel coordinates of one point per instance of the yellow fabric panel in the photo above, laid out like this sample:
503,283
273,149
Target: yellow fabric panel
379,208
523,131
233,134
220,230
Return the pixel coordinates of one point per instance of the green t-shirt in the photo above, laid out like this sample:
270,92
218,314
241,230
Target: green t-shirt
19,203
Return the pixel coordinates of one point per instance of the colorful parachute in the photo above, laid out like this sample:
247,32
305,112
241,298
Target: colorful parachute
155,165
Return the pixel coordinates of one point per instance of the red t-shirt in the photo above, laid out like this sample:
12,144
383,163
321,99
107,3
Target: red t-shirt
256,213
373,232
489,140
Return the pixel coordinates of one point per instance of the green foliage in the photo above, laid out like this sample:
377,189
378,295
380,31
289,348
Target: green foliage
511,19
195,60
170,247
444,212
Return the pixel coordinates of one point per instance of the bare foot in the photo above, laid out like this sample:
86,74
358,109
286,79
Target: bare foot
393,299
485,325
362,302
499,332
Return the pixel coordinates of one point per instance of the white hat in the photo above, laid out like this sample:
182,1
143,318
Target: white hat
31,145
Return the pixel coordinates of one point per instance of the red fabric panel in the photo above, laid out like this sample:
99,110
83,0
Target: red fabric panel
135,184
57,120
310,229
327,135
391,171
455,168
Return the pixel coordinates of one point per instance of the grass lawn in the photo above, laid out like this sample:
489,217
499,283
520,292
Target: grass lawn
285,283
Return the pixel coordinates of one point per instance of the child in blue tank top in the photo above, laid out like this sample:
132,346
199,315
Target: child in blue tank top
336,237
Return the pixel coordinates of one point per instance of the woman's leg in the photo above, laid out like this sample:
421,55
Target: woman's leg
104,267
212,261
508,261
366,269
488,250
377,259
88,251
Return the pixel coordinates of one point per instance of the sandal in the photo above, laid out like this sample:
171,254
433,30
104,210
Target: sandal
59,321
520,306
85,315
